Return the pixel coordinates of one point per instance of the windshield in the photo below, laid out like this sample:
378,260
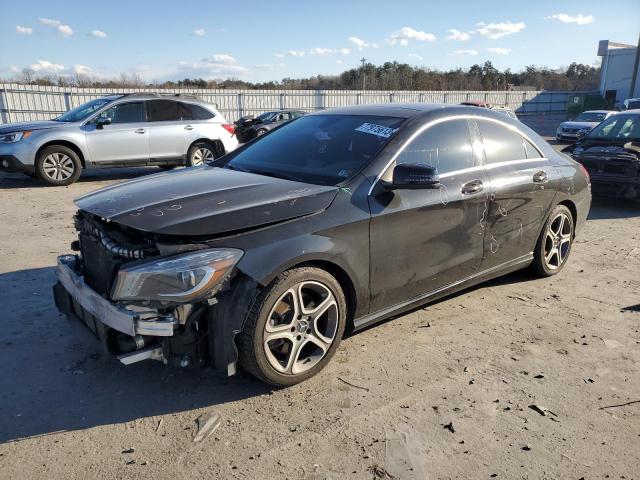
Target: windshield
266,116
84,110
318,149
591,117
617,127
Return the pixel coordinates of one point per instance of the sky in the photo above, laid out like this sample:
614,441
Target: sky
270,40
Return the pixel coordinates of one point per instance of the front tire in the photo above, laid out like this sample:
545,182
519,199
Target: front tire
294,327
555,242
200,153
58,166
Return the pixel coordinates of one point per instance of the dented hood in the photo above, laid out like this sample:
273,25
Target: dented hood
205,201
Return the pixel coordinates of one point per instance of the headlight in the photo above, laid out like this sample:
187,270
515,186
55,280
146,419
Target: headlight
14,136
182,278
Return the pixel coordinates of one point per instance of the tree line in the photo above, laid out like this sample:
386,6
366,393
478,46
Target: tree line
388,76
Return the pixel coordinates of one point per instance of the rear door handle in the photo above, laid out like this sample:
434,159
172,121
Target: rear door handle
188,127
474,186
140,130
540,177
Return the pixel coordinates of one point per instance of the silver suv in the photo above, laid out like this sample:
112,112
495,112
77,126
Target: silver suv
117,131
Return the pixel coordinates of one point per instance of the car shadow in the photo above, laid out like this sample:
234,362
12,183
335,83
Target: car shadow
20,180
55,376
603,208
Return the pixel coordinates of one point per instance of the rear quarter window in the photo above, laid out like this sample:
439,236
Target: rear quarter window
200,113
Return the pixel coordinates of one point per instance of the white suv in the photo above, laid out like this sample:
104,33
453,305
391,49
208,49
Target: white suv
117,131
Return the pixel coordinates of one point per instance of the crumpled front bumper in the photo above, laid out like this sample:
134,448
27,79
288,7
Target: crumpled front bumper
75,299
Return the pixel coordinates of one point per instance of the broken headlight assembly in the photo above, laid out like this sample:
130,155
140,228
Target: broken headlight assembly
182,278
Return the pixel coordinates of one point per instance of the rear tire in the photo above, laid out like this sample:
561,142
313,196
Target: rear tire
200,153
554,244
294,327
58,166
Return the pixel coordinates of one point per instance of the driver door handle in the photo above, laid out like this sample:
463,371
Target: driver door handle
140,130
188,127
540,177
474,186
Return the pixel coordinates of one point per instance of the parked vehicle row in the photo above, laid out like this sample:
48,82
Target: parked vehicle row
330,223
117,131
248,127
577,128
611,154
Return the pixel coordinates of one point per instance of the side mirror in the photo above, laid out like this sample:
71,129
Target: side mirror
415,176
102,121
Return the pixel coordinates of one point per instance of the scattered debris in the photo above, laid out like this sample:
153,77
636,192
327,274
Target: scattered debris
159,425
449,426
380,472
207,423
542,410
526,448
426,325
129,450
620,404
538,376
353,385
612,343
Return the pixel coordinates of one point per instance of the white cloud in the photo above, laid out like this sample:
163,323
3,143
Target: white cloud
339,62
405,34
578,19
219,64
465,52
278,55
415,55
24,30
199,32
495,31
97,34
457,35
345,51
83,70
295,53
499,50
321,51
45,66
360,44
64,30
14,69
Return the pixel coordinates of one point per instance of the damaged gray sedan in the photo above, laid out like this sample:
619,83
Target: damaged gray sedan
329,224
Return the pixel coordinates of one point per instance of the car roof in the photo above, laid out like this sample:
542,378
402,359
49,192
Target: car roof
599,111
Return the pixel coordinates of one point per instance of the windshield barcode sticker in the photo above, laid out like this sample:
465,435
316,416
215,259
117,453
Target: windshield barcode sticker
379,130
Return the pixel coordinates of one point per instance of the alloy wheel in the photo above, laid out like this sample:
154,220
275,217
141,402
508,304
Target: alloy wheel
58,166
301,327
557,241
201,155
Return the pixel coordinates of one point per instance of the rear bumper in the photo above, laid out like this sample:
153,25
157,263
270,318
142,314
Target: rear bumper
617,186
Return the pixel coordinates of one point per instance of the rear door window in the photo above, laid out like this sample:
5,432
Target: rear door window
185,112
446,146
500,143
163,111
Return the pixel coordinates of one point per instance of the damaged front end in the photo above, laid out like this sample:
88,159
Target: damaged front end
143,303
614,170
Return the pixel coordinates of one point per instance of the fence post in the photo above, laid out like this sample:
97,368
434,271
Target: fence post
240,106
421,97
319,100
445,97
391,97
67,100
5,113
282,95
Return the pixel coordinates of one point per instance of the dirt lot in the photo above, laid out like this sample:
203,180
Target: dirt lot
443,392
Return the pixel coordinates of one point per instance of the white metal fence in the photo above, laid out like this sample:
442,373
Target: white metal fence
31,102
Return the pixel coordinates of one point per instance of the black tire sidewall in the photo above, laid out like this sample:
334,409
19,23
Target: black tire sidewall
539,263
58,149
263,308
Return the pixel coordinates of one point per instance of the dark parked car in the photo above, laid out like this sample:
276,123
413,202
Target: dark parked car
611,154
248,128
329,224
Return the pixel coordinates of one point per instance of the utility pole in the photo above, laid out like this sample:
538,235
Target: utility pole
363,60
634,74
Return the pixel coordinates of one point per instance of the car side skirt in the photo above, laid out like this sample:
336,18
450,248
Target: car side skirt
497,271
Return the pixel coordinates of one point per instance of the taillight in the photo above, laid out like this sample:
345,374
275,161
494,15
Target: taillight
229,128
586,173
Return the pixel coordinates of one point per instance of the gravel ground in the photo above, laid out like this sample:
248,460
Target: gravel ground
516,378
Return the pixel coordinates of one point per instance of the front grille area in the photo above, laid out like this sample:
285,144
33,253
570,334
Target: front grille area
99,267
